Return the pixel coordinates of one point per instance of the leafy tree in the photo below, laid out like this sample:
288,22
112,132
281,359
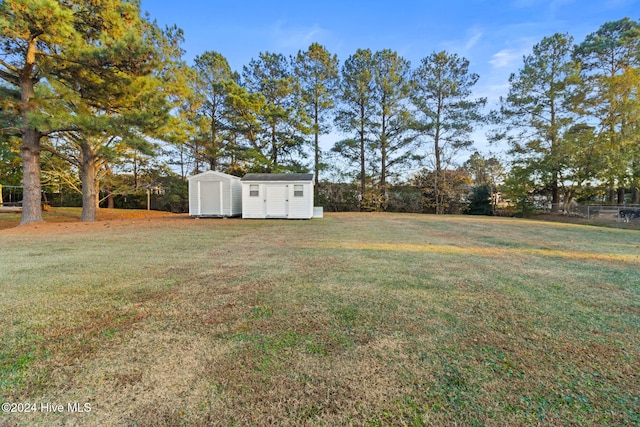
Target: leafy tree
391,83
317,73
446,113
404,197
449,197
356,111
485,172
246,130
537,110
112,115
610,60
88,51
210,87
337,192
581,162
35,36
283,119
480,201
519,188
10,170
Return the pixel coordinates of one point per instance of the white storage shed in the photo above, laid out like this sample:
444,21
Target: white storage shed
273,195
215,194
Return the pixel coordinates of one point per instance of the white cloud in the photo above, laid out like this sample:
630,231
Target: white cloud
295,37
506,58
465,47
473,40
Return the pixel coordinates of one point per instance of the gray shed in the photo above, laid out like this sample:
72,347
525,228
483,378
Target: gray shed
215,194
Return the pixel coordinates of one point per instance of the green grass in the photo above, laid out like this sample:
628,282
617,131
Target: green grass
364,319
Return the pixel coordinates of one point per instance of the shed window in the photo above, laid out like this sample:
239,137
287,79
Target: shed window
298,191
254,191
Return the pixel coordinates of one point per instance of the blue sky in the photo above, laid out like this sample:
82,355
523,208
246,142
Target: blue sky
494,35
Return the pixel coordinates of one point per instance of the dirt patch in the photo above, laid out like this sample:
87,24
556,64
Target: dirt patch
62,220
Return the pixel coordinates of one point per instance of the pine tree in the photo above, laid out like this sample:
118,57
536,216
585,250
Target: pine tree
35,35
391,84
111,110
103,56
356,112
283,119
610,59
447,114
317,73
537,110
213,77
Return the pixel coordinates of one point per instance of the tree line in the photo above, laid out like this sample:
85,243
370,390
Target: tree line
96,96
572,117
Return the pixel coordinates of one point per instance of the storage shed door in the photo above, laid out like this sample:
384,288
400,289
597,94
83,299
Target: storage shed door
210,198
276,200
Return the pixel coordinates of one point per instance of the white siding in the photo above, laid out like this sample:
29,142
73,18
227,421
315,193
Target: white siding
301,207
210,197
236,197
252,207
276,199
201,191
194,197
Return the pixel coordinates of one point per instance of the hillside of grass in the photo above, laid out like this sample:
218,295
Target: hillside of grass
363,319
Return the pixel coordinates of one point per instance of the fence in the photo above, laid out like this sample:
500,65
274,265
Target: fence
623,213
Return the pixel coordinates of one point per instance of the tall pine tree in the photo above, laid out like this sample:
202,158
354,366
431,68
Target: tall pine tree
610,59
537,111
317,73
391,84
447,114
355,113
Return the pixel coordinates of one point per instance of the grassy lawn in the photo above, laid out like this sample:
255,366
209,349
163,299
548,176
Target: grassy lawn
363,319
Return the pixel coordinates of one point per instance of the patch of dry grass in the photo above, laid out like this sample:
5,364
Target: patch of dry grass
66,215
361,319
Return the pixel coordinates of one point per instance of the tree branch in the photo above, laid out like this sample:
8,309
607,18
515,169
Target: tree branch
8,77
67,158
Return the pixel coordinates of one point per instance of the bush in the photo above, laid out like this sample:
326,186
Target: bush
480,201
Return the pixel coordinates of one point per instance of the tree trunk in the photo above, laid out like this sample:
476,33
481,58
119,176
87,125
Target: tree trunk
316,142
30,149
274,150
213,161
438,172
32,191
620,197
363,178
635,196
109,187
555,194
568,199
383,165
88,176
97,184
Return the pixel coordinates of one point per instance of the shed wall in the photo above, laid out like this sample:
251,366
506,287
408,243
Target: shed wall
236,197
276,199
229,195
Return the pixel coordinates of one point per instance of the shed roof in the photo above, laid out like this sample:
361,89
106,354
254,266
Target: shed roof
278,177
214,173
